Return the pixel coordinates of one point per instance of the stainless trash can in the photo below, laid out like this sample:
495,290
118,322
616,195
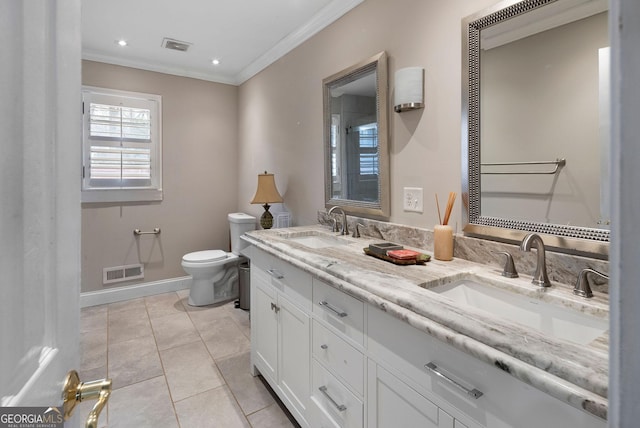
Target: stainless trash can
245,285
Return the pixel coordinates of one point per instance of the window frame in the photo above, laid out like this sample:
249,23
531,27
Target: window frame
98,194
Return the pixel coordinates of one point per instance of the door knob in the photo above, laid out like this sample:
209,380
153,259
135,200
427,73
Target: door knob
75,391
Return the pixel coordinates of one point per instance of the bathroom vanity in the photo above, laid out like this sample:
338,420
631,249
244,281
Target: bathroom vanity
347,340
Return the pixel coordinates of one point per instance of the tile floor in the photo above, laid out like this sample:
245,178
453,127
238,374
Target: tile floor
173,365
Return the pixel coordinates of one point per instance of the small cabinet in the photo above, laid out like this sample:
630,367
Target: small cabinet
293,354
264,328
281,330
392,403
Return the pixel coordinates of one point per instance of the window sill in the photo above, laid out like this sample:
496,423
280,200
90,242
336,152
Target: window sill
121,195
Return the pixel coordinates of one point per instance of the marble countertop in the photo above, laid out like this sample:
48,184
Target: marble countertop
576,374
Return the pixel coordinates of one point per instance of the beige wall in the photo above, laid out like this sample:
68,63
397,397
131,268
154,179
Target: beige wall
200,158
281,107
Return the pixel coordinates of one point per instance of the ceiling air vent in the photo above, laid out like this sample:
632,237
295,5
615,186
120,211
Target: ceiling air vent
176,45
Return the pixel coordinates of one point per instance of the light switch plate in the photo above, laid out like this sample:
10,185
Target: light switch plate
413,201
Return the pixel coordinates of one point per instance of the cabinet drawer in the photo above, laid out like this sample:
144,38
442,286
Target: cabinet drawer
334,400
339,310
506,401
340,357
294,282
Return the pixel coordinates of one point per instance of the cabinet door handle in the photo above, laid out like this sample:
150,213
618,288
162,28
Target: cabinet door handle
338,312
340,407
274,273
275,307
470,392
324,346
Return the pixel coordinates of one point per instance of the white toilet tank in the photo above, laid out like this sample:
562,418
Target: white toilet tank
239,223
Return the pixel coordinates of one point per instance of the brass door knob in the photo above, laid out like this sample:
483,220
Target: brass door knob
75,391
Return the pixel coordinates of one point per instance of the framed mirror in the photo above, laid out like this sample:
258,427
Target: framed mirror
535,115
356,139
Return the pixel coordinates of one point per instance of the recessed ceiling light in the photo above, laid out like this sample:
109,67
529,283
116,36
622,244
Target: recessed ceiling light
215,62
122,43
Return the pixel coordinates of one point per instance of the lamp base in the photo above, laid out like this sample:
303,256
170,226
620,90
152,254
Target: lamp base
266,220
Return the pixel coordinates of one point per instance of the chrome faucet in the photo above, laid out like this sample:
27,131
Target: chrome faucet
540,277
582,287
345,230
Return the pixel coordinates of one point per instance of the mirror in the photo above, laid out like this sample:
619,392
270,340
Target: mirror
356,139
536,125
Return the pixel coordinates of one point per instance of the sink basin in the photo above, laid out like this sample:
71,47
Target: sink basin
318,240
552,320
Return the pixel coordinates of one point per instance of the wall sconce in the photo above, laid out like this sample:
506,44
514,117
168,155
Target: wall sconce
266,193
409,89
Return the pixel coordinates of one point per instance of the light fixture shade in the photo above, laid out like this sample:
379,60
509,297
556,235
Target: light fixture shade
409,89
266,193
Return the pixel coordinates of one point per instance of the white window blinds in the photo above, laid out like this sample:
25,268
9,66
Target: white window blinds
122,143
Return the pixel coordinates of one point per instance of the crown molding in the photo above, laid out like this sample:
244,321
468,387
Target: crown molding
176,71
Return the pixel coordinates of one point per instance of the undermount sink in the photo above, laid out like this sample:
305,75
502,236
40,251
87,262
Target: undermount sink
556,321
317,240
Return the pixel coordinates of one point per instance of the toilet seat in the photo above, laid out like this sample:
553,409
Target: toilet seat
207,256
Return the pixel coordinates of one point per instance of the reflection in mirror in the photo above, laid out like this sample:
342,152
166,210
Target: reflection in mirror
355,127
535,100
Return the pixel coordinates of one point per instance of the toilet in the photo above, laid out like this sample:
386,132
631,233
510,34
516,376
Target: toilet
215,272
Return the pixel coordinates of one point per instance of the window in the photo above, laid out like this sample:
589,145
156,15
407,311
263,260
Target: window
368,149
122,146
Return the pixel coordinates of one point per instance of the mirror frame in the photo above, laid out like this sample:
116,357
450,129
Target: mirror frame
381,208
569,239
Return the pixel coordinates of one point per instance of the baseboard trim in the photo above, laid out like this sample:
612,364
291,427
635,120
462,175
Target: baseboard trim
118,294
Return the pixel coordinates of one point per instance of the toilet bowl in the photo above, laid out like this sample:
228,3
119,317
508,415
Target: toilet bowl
214,273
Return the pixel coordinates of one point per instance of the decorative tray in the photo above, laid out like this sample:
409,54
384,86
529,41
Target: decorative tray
420,260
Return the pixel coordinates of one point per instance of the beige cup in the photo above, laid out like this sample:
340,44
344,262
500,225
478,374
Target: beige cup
443,242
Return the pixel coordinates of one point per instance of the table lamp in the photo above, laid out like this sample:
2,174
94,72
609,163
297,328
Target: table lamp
266,193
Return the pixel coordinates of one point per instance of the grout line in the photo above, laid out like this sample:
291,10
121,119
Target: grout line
164,373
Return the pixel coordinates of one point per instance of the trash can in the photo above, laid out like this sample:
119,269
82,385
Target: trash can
245,285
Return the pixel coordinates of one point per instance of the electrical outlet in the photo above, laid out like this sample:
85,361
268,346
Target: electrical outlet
412,200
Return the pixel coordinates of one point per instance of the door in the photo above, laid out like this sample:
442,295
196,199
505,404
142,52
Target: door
294,354
392,403
40,206
265,324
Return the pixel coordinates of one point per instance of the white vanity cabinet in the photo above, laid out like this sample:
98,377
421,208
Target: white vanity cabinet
281,329
336,361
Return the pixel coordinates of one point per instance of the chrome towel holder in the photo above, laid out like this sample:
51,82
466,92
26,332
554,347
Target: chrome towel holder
559,163
138,232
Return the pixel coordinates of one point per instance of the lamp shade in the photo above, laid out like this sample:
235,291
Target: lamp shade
266,193
409,88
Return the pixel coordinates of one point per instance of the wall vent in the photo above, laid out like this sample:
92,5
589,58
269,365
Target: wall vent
176,45
114,274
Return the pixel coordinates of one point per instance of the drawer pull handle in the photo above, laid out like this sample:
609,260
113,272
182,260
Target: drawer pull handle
274,273
470,392
274,307
340,407
323,346
338,312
